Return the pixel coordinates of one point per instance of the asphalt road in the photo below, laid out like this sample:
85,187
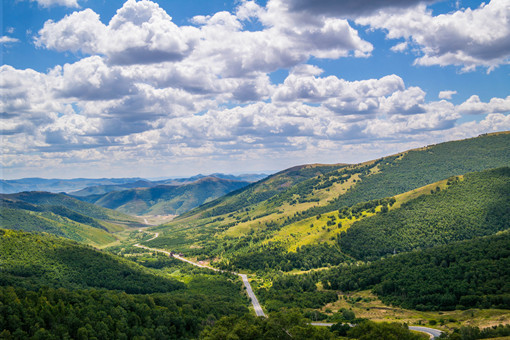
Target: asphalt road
433,333
253,298
254,301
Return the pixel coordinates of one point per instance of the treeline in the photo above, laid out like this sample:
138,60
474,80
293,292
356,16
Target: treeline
31,260
475,206
101,314
274,257
467,274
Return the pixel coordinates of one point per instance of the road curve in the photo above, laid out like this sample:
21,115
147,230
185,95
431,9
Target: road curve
432,333
254,301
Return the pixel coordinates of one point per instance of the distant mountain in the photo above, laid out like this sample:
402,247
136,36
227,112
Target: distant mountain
62,215
104,189
90,186
175,198
57,185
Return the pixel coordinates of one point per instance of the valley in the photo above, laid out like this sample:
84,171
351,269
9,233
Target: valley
419,238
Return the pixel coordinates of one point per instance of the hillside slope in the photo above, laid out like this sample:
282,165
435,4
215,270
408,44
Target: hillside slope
166,199
33,260
307,211
475,205
62,216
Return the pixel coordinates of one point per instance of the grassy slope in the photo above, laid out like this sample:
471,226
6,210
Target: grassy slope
286,215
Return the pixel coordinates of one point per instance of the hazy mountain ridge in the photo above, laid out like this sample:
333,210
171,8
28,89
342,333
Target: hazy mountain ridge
164,199
88,186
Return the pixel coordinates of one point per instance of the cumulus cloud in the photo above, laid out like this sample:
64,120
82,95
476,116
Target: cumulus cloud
143,33
466,38
475,106
446,94
140,32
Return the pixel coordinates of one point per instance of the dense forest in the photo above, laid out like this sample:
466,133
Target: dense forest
472,207
54,288
274,257
33,260
466,274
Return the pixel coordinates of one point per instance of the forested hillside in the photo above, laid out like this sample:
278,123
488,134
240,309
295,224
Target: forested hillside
62,216
475,205
34,260
466,274
55,288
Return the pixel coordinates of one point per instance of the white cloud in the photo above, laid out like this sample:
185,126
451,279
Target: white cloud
5,39
140,32
51,3
466,38
446,94
475,106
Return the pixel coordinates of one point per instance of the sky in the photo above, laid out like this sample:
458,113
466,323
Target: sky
108,88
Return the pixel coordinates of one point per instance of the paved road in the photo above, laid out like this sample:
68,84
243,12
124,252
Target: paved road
251,294
433,333
254,301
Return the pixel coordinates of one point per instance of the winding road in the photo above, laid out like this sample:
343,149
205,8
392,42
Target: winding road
433,333
254,301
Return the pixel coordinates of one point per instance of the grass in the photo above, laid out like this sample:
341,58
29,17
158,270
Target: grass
364,304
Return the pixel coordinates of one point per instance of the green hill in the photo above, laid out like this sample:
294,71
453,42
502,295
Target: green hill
53,288
88,209
466,274
475,205
34,260
166,199
312,205
62,215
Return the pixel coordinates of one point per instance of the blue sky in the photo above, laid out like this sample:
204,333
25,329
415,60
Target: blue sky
175,88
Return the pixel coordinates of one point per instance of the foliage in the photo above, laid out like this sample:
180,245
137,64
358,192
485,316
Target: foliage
464,274
294,291
273,257
281,325
473,333
369,330
30,260
475,206
50,313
